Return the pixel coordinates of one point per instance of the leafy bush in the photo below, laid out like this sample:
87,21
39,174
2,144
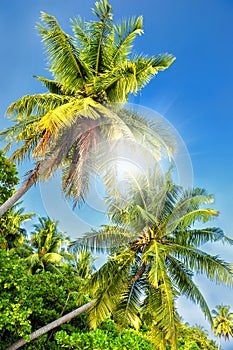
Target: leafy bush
28,302
14,314
105,338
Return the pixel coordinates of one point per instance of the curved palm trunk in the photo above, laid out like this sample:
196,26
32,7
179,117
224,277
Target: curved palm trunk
16,196
53,325
42,168
21,191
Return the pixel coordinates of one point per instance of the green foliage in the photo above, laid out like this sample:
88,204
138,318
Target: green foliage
53,295
28,302
8,178
14,308
105,338
194,338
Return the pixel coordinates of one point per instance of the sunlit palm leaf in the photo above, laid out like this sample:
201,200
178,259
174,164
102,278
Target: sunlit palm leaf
197,260
106,238
198,237
126,32
183,279
64,60
107,285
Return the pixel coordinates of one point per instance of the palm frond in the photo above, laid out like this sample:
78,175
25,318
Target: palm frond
170,315
129,307
81,33
104,239
53,86
190,200
147,68
201,262
53,258
99,31
154,254
183,279
61,116
188,219
150,134
126,32
198,237
107,285
38,104
64,60
159,304
79,164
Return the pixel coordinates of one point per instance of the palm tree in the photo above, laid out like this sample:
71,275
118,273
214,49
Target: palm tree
223,322
91,70
48,253
12,235
157,252
196,335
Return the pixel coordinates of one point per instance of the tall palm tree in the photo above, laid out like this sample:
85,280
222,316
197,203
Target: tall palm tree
157,252
91,69
223,322
48,253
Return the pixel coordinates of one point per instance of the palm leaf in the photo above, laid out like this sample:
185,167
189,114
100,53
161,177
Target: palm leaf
81,33
126,32
53,86
98,33
108,284
64,60
183,279
190,218
106,238
54,258
202,263
128,309
198,237
38,104
189,201
146,68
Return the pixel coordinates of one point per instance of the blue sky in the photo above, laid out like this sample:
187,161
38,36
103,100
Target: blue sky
194,94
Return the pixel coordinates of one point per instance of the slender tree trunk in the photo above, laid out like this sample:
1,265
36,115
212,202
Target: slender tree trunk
53,325
44,168
139,273
219,343
31,180
16,196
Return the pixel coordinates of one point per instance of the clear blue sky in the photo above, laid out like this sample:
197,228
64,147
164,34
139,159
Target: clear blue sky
195,94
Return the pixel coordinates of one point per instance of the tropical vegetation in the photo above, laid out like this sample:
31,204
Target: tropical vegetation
51,294
33,297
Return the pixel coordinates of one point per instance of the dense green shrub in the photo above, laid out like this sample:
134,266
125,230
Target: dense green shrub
105,338
28,302
14,308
